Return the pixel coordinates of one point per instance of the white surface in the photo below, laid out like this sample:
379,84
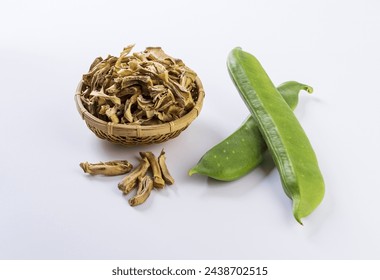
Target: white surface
49,209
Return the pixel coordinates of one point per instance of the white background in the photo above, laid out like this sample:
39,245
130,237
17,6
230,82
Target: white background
49,209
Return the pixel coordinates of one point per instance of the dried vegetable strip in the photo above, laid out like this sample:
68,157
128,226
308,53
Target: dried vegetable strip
144,88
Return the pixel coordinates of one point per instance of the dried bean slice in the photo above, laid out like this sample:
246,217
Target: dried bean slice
144,192
158,182
164,169
129,182
108,168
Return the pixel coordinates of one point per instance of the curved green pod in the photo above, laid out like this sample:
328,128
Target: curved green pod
244,149
287,142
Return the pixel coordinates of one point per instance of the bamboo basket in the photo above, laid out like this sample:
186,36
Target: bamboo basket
128,134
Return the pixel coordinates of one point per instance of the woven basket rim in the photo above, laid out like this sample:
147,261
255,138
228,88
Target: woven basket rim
132,130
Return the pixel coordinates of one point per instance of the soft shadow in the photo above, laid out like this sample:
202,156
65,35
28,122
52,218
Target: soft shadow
115,150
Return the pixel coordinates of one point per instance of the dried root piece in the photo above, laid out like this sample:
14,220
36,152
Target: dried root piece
164,169
143,192
109,168
158,182
129,182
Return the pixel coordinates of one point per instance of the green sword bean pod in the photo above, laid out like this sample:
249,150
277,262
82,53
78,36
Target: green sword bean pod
244,149
287,142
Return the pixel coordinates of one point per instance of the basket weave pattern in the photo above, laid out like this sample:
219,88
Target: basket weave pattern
130,135
133,140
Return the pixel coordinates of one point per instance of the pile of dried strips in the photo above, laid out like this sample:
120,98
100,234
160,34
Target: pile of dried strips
144,88
137,177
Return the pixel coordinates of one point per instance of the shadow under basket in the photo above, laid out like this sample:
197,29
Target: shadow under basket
130,134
